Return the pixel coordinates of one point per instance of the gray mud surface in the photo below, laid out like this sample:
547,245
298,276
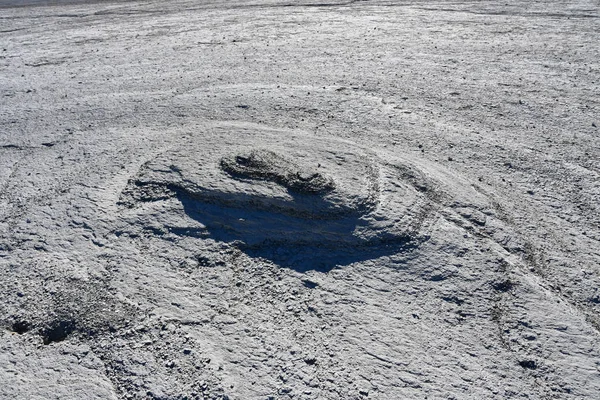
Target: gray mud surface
300,200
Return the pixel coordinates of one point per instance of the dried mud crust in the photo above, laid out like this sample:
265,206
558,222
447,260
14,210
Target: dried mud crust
262,188
70,307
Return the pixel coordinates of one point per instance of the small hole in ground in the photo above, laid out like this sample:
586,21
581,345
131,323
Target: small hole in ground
58,331
20,327
503,286
310,361
528,364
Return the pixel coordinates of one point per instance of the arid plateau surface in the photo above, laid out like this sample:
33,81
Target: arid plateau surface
300,200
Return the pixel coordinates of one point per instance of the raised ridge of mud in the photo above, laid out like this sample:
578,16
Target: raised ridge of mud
299,200
262,191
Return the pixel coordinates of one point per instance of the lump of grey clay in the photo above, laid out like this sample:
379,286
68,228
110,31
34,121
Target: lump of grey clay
267,165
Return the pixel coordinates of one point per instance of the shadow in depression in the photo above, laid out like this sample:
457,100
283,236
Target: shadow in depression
296,242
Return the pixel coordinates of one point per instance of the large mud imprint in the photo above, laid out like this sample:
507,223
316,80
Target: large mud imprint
300,200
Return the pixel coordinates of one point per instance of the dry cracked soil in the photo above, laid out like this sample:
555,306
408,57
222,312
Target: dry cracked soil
299,199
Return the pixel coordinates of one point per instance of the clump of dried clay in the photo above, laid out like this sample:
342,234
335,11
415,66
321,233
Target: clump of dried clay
269,166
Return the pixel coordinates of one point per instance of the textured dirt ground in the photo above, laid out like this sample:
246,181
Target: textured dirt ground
446,245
